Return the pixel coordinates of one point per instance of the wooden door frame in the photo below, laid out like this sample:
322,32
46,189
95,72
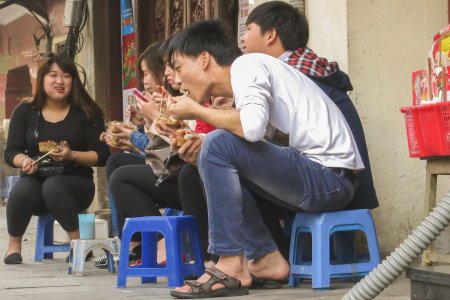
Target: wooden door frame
108,57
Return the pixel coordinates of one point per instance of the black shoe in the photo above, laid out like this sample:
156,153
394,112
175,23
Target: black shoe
135,254
13,259
89,256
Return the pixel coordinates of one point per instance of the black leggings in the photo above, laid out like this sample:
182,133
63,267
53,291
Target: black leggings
62,195
121,159
135,194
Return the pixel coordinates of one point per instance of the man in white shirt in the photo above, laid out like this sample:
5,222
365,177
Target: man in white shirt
278,29
315,173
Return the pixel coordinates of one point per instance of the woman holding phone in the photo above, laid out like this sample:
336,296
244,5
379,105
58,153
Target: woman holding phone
134,142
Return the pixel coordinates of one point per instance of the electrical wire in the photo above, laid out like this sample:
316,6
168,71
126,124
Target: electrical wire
75,39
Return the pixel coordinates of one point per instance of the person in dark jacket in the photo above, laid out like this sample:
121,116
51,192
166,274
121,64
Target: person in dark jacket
278,29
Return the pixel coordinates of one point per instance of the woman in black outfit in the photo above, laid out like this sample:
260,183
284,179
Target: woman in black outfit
61,111
147,199
139,180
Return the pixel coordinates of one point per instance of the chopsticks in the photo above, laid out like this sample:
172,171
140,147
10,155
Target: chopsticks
40,158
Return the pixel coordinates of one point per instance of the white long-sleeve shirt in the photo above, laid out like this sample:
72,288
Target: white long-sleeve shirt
267,90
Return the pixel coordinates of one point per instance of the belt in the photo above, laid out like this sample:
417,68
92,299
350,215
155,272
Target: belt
349,174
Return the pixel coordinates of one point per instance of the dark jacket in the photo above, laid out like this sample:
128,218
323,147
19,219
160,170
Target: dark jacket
336,84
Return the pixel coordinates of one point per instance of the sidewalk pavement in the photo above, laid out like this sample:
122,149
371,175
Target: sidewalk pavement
49,280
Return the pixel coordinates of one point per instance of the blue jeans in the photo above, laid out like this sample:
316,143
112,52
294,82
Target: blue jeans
232,167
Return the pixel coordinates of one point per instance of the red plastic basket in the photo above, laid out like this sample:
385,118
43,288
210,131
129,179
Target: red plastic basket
428,129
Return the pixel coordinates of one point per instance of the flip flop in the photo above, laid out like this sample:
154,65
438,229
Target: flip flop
266,284
232,287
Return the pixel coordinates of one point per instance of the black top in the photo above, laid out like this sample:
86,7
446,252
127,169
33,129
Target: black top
81,133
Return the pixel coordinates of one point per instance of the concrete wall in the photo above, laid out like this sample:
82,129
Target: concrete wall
395,41
328,30
385,41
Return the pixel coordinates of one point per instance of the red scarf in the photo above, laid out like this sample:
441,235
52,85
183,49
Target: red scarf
307,62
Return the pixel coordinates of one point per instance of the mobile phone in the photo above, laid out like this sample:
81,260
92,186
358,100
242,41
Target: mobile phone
138,94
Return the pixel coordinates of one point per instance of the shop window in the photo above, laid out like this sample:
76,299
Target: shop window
58,43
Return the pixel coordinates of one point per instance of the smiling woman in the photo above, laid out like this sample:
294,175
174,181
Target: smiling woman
63,112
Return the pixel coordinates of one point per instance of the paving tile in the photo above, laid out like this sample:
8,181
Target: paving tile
48,280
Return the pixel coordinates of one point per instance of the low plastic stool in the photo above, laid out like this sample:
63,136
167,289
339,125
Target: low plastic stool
177,231
322,226
80,248
45,247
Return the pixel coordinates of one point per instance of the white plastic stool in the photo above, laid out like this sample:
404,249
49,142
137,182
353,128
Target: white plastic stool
80,248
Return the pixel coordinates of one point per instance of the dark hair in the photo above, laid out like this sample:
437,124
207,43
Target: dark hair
291,25
164,48
78,96
153,61
210,36
163,52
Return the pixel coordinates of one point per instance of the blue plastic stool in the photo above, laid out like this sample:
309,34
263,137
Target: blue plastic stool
44,239
322,226
177,230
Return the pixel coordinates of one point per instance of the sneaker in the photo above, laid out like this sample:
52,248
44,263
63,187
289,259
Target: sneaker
101,261
134,258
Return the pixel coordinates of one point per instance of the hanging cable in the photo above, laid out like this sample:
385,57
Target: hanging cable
76,23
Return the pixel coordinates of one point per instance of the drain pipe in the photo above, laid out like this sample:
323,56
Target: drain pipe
390,268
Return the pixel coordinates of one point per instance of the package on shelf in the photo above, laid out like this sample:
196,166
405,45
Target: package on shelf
432,85
439,66
420,87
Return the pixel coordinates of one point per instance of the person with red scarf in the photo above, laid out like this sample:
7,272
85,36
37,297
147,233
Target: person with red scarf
280,30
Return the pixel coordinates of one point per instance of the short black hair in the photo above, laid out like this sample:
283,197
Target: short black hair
210,36
291,25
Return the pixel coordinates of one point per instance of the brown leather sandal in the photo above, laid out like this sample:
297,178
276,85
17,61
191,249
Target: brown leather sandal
232,287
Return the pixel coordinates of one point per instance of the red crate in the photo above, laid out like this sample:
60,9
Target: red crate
428,129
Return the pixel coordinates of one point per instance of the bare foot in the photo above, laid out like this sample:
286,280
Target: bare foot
234,266
209,264
271,266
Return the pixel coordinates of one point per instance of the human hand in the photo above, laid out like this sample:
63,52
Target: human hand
63,155
184,107
134,115
189,150
29,166
122,132
163,127
150,109
125,145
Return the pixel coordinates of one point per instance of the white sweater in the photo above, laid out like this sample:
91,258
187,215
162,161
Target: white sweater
267,90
